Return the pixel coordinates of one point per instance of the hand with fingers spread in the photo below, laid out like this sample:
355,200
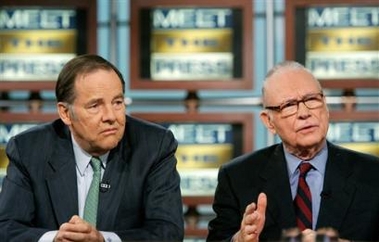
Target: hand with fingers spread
78,230
253,221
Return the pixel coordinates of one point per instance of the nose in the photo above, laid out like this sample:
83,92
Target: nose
109,113
302,110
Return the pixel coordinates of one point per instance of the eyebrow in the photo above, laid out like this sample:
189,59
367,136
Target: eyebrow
92,101
119,96
101,99
302,97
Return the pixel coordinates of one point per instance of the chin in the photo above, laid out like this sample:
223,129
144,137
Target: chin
310,144
109,144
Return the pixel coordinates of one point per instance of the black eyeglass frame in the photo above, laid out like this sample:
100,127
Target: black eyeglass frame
303,100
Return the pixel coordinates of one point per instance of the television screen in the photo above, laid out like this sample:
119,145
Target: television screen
38,37
337,40
205,142
342,42
36,41
189,43
202,149
361,136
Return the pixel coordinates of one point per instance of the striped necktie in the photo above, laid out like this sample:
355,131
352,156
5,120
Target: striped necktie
303,200
90,207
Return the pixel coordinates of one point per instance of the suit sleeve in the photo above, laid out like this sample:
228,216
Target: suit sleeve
16,200
228,215
163,218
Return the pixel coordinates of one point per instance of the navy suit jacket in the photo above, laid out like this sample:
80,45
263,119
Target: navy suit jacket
143,203
349,203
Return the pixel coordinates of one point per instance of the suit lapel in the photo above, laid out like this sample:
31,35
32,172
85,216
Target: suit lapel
280,208
339,189
61,180
114,177
337,185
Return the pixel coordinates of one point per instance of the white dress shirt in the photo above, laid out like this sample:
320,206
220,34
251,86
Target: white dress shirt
84,174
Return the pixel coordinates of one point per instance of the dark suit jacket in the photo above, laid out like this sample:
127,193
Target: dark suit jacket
40,191
350,201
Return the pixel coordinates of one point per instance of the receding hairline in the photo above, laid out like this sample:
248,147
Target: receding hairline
285,66
80,67
91,70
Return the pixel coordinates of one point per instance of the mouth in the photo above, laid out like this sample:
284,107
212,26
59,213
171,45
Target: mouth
306,128
109,131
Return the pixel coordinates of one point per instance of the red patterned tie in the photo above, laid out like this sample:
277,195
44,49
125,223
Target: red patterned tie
303,200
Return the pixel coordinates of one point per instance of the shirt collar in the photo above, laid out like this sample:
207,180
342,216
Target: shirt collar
318,162
83,159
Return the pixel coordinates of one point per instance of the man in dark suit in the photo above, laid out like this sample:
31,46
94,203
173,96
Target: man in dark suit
256,193
43,196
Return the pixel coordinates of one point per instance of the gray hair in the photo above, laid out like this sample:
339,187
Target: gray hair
286,65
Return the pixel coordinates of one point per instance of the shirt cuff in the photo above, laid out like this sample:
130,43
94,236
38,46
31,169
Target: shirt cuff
48,236
110,236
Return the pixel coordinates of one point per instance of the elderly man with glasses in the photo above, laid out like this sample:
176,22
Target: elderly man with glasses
304,185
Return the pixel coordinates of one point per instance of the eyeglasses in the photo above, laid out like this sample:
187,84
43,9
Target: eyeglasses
290,107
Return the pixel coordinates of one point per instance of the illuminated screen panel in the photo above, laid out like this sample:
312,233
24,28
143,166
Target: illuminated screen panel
341,42
37,41
337,40
359,136
202,149
205,142
193,44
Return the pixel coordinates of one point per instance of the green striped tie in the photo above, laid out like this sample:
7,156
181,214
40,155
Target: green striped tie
90,208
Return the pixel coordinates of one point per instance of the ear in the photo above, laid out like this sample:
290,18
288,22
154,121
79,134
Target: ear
326,108
64,113
267,121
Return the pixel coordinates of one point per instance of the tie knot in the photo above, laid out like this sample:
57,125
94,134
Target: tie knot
304,168
96,164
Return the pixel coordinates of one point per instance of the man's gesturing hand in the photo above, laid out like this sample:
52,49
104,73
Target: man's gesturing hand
253,221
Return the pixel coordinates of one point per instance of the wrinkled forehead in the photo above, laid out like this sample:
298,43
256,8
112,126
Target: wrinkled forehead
288,84
91,70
